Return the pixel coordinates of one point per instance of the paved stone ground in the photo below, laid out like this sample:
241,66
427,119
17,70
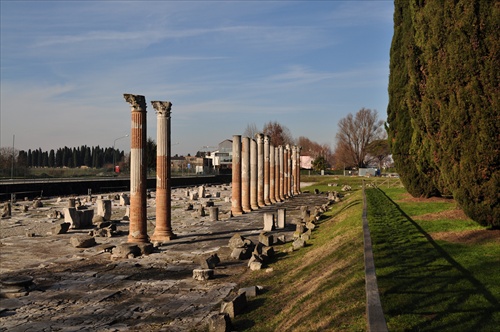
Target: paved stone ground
85,290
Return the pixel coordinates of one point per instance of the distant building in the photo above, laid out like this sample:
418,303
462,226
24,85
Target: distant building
306,162
221,159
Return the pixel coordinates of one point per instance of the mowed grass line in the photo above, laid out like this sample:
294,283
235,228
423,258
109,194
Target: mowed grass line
317,288
428,285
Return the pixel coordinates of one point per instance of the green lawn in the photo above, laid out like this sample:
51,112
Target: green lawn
428,284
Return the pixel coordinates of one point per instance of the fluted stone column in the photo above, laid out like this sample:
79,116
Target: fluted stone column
236,187
293,178
277,174
282,172
253,175
287,171
266,169
163,230
271,174
138,229
260,170
297,184
245,174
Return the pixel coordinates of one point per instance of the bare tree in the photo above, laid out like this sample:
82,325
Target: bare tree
279,134
250,130
355,134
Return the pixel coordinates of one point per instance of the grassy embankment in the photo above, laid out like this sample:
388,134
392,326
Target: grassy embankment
437,269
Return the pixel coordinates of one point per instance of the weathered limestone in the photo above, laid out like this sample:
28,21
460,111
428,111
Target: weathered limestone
236,187
282,172
138,232
297,176
268,222
78,218
203,274
253,175
163,230
266,170
245,174
260,169
234,305
293,177
104,208
213,213
281,222
271,174
277,174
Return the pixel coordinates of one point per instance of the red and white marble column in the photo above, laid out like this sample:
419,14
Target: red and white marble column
282,172
271,174
138,230
163,230
260,169
266,169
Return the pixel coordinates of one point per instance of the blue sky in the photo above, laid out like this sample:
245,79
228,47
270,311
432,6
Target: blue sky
223,64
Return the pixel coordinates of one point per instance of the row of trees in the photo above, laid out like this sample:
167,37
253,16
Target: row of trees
443,113
95,157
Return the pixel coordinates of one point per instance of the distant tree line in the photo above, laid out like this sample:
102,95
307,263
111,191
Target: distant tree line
444,102
95,157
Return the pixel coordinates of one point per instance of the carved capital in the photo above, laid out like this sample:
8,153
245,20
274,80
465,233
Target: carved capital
266,139
137,102
259,138
162,108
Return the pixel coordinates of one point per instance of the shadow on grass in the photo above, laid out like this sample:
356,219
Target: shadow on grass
422,287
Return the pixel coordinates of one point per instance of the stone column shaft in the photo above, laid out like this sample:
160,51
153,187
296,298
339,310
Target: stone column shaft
138,230
245,174
260,170
293,189
266,170
277,174
289,169
282,173
297,184
163,230
253,175
236,187
271,174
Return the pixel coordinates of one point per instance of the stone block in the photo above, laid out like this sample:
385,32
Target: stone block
254,266
241,253
126,250
220,322
145,248
281,222
236,241
209,262
82,241
235,305
268,222
214,213
310,225
124,200
104,208
249,291
61,228
298,243
266,239
203,274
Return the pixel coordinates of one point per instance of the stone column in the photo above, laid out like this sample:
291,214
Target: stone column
277,174
138,228
266,170
163,230
253,175
236,189
293,178
297,183
245,174
271,174
286,157
282,172
260,169
289,167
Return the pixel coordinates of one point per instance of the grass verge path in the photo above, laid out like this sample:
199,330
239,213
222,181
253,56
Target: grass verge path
429,285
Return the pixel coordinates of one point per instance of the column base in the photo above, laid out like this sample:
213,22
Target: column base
163,237
141,239
255,207
237,212
247,210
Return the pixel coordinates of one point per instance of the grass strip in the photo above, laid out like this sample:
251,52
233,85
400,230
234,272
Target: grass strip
422,284
317,288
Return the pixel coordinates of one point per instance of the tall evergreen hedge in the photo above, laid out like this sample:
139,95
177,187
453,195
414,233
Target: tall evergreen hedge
453,90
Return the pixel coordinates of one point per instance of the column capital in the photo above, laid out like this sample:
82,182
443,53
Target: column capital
137,102
162,108
267,139
259,138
